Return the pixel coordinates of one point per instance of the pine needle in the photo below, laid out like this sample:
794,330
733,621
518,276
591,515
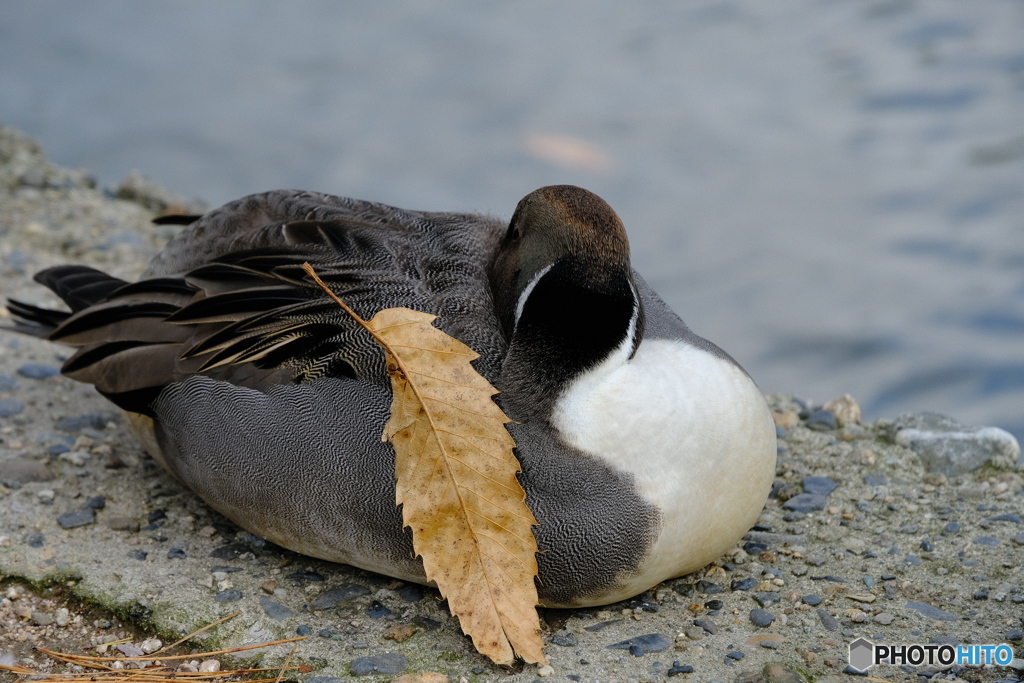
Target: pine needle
151,668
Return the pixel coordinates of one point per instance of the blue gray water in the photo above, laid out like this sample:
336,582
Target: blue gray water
831,190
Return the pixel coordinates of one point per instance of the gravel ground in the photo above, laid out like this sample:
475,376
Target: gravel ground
96,541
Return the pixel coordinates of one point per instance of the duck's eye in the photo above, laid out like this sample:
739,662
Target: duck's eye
513,231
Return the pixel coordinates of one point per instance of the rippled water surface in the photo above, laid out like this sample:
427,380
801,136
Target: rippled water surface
833,191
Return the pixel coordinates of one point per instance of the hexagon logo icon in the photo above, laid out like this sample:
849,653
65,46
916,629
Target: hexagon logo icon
862,654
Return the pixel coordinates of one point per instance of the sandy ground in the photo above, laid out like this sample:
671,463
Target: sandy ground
96,541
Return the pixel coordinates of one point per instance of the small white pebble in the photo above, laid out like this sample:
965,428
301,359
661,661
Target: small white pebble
46,495
209,665
150,645
62,616
545,671
76,458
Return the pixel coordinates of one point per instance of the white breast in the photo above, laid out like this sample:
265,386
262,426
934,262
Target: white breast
697,437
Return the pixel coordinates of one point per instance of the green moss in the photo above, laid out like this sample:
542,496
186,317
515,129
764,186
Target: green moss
449,656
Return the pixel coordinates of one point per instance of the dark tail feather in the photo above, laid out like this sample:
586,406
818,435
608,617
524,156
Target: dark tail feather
177,219
79,286
35,321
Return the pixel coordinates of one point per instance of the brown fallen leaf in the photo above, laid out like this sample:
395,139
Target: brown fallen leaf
456,482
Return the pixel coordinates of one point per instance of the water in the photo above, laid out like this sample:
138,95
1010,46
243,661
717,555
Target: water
831,190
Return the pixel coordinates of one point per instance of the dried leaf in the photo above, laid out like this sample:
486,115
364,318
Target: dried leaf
456,483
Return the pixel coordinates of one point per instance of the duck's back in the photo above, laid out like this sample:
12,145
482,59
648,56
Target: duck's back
373,255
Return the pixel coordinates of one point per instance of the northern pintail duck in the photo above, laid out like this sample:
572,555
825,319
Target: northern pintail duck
646,450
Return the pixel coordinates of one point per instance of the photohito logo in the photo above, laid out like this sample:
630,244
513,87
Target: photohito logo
865,654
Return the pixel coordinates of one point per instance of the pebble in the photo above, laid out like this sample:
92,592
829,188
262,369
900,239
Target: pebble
813,600
38,371
76,458
76,423
275,610
735,654
129,650
62,616
845,409
209,666
694,632
419,677
777,672
766,598
403,632
377,610
42,618
822,419
77,518
827,620
330,598
122,524
987,540
951,528
9,407
651,642
545,671
176,554
821,486
150,645
564,639
678,668
875,479
805,502
140,555
884,618
389,663
707,625
761,618
930,611
951,448
1009,517
744,584
229,595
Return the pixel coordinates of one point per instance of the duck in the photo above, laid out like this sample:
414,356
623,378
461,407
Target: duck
646,451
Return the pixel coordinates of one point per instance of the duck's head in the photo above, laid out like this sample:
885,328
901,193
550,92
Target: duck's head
564,290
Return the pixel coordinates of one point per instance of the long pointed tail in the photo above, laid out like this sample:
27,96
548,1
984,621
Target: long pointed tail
78,286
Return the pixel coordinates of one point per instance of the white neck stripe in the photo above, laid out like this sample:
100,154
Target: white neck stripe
526,293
